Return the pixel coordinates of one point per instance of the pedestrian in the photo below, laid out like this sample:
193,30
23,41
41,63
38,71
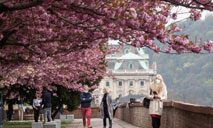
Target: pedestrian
20,108
86,99
27,110
115,106
36,106
10,111
46,102
61,110
41,113
157,94
106,108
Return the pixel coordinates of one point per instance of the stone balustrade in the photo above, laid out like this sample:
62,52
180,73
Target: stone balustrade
175,115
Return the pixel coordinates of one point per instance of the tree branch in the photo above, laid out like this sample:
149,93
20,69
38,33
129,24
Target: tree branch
88,9
33,3
3,1
75,24
189,5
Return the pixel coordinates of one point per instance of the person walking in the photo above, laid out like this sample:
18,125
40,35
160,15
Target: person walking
20,108
46,102
36,107
157,94
86,99
10,111
115,105
106,108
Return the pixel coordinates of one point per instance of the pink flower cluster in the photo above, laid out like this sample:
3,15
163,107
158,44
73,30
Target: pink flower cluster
64,41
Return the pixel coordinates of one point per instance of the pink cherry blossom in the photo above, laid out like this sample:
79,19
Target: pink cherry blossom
64,42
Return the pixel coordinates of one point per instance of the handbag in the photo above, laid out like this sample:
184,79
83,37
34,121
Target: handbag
146,101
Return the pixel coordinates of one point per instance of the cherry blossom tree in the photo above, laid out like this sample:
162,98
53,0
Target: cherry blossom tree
62,41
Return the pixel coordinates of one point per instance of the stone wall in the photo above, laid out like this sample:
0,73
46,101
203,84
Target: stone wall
175,115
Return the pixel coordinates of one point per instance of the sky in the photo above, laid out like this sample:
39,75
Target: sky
183,14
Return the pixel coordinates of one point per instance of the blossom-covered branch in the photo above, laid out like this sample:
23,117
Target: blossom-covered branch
62,41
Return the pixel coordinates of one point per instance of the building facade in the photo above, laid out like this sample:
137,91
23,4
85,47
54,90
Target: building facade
129,73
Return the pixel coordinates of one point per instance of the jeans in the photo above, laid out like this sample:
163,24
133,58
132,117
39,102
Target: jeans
110,121
155,122
86,112
47,114
114,110
36,113
20,113
106,115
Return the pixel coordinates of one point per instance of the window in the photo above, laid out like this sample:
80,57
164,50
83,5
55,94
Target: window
130,66
120,83
142,83
131,91
107,83
110,65
131,83
126,50
120,95
114,53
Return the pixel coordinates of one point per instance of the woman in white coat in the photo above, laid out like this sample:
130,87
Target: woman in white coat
157,94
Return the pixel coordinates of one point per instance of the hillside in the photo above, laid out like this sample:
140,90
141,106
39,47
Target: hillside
189,77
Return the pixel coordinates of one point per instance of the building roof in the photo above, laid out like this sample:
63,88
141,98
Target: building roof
140,51
130,56
116,42
113,42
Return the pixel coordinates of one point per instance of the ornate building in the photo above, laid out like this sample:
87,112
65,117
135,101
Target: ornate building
130,73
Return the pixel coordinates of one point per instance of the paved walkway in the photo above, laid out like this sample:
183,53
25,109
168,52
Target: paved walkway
98,123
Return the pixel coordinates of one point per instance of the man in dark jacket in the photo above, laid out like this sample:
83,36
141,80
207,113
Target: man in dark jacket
86,99
46,102
10,111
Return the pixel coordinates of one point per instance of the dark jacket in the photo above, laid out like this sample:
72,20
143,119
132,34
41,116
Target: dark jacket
86,99
46,99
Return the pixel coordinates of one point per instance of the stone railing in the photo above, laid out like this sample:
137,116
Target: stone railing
116,56
135,72
175,115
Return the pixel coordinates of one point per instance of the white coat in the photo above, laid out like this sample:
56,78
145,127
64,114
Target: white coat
156,105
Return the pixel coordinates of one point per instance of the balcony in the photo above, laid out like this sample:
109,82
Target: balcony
115,56
135,72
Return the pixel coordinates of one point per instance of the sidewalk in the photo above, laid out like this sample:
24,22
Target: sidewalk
98,123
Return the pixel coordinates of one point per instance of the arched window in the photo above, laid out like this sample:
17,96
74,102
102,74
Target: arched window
131,92
126,50
120,83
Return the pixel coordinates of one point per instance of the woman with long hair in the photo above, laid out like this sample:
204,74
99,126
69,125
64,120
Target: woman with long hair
106,108
157,94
